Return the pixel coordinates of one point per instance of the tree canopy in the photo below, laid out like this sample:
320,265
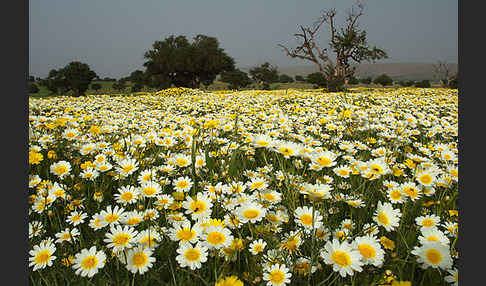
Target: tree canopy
75,77
383,79
177,61
264,75
236,78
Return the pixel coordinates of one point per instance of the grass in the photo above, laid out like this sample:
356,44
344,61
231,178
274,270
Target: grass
106,87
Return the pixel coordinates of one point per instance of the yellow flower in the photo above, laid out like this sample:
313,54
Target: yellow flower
32,198
52,155
453,213
68,261
387,243
95,130
35,157
178,196
409,163
87,165
117,146
229,281
347,113
401,283
397,172
371,140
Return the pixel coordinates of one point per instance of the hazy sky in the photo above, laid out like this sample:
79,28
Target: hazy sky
112,35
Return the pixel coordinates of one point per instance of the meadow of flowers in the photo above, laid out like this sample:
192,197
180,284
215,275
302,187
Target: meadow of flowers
285,187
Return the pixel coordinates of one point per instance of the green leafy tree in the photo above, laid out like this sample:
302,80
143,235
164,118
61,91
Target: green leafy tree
285,78
96,86
54,82
347,45
77,77
177,61
236,78
120,85
299,78
423,84
317,79
33,88
264,75
383,80
137,77
136,87
366,80
353,80
406,83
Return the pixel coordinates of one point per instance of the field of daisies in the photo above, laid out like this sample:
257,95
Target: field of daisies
283,187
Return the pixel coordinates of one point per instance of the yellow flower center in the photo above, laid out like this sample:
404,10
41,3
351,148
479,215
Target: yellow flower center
432,238
262,143
61,169
89,262
65,236
425,179
306,219
286,151
198,206
454,173
411,192
341,258
186,234
277,276
76,217
149,191
383,218
42,257
128,168
133,221
216,238
251,213
127,196
433,256
324,161
343,172
367,251
192,254
377,169
147,177
139,259
258,248
257,185
112,218
269,196
181,162
428,222
395,195
121,239
182,184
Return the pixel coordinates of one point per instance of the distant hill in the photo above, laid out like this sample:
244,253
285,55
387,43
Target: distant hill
397,71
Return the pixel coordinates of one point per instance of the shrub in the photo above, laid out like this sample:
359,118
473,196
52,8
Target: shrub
423,84
383,80
33,88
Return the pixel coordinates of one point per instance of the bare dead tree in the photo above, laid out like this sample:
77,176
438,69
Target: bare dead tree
346,44
441,71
